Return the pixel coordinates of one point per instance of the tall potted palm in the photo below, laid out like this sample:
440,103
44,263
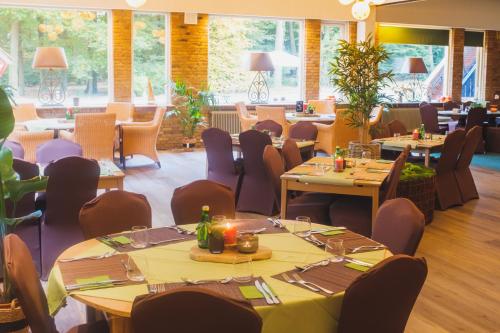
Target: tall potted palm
11,189
355,74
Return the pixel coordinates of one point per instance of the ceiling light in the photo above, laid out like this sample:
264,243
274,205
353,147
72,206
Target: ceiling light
361,10
136,3
346,2
377,2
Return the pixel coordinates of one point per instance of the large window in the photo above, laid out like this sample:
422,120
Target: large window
331,34
82,34
472,81
232,39
150,70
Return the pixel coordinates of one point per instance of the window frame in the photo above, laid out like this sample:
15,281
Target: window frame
480,84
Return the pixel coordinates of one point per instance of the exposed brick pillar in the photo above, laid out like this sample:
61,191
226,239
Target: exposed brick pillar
189,50
492,55
122,55
312,58
457,63
353,32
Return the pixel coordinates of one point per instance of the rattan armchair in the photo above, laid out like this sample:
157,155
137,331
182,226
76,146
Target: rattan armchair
24,112
323,106
30,141
275,113
337,134
95,133
123,110
247,121
140,138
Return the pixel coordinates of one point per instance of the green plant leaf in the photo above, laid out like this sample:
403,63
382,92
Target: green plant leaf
14,222
17,189
7,120
6,161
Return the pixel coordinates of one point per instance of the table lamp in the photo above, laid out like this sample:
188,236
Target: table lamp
260,62
414,66
49,60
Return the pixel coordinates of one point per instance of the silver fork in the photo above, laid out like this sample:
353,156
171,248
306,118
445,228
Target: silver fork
102,256
305,283
307,267
196,282
289,280
371,247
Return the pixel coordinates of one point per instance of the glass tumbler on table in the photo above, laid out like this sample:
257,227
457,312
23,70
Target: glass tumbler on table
242,268
302,226
139,237
336,248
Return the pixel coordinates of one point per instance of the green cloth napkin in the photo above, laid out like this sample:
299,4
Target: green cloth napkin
94,279
370,170
122,240
251,292
357,267
332,233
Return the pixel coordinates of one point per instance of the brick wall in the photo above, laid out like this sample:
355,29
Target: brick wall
122,55
492,52
312,58
457,63
353,32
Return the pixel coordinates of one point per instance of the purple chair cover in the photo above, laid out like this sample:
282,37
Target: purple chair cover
429,115
396,126
291,154
447,190
399,225
56,149
16,148
271,126
423,103
477,117
256,194
72,182
463,175
450,105
303,130
221,166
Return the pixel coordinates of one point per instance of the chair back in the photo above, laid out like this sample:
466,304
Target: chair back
399,225
303,130
423,103
31,140
396,126
188,200
123,110
27,287
269,125
16,149
376,115
472,139
452,148
323,106
26,205
390,185
56,149
242,110
274,169
476,117
381,299
342,132
95,133
172,311
450,105
291,154
24,112
252,144
113,212
276,113
246,120
429,115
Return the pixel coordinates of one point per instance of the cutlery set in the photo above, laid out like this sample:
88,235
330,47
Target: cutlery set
97,257
276,222
97,284
266,291
181,230
309,285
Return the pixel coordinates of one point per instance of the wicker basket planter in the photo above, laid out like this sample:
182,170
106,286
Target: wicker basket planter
12,318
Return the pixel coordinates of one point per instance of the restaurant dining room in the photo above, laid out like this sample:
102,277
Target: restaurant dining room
273,166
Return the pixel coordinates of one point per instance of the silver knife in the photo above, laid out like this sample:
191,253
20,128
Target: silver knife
166,241
269,300
358,262
268,290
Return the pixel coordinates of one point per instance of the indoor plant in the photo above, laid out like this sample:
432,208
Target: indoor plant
11,189
355,74
188,106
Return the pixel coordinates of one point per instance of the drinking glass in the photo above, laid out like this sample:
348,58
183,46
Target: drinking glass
335,247
139,237
302,225
242,268
397,136
218,218
365,156
133,271
319,169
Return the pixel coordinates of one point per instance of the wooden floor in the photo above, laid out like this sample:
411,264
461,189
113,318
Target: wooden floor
462,248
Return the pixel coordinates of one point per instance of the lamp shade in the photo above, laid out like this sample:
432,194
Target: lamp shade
50,57
261,61
414,66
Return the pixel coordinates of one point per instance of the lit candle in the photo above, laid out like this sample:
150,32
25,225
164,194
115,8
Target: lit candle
230,234
415,134
339,164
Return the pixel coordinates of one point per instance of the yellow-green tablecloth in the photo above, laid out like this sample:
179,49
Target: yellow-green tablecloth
330,178
301,311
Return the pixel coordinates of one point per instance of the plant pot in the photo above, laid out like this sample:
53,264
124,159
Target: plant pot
12,318
422,192
188,144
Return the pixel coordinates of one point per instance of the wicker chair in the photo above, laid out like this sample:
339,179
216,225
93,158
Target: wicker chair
247,121
276,113
30,141
140,138
24,112
324,106
95,133
124,111
337,134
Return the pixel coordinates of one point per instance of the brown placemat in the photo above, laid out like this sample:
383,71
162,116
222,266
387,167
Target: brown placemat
363,174
373,164
230,289
154,235
254,224
90,268
351,240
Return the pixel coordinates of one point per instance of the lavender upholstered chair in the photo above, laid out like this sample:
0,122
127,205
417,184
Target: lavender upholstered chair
56,149
355,212
447,190
188,200
383,307
271,126
314,205
429,115
72,182
450,105
114,212
303,130
423,103
477,117
256,194
291,154
399,225
463,175
16,148
221,166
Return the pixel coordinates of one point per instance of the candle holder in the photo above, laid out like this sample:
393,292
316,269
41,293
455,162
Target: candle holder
339,164
248,243
229,235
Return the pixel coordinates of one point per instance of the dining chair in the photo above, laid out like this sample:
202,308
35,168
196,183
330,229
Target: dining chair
477,117
123,110
399,225
450,105
291,154
56,149
313,205
276,113
72,182
429,115
271,126
188,200
95,133
247,121
323,106
24,112
355,212
423,103
256,192
141,138
397,127
463,175
113,212
172,311
30,141
29,291
382,299
303,130
447,190
16,149
337,134
221,166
